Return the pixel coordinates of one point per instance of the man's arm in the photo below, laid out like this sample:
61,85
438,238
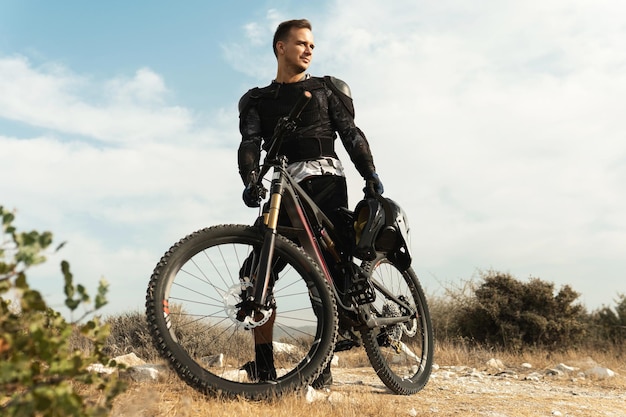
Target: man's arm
341,114
249,153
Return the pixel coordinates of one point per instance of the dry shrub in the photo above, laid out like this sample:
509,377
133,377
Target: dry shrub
353,358
129,334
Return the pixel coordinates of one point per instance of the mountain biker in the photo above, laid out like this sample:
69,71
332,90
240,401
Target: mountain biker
310,153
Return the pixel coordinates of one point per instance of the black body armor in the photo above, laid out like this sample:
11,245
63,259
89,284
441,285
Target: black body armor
329,111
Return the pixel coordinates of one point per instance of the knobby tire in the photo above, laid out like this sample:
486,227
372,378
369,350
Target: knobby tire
190,302
401,355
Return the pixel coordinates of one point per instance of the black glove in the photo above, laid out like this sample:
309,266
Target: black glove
373,186
253,193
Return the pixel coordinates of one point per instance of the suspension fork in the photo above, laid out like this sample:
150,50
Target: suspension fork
266,256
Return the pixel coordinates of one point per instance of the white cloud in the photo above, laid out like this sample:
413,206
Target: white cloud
255,33
141,174
52,97
146,87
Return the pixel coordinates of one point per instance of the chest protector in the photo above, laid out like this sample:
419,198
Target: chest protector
314,136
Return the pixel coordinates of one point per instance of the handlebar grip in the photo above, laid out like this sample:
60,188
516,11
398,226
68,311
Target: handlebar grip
300,105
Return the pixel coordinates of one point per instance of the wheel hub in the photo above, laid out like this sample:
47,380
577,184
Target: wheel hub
248,318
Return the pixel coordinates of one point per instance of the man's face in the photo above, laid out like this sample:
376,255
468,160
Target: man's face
297,51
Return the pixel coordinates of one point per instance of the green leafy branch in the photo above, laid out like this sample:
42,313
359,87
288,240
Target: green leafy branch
39,367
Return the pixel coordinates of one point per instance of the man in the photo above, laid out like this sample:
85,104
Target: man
309,150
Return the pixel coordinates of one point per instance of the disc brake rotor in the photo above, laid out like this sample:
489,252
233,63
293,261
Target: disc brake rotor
232,305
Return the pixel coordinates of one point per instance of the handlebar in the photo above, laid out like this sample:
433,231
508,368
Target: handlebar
300,105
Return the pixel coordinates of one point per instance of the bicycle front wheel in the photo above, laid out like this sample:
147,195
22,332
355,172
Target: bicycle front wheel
192,304
402,353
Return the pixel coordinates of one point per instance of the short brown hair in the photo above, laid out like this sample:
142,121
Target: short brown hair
282,31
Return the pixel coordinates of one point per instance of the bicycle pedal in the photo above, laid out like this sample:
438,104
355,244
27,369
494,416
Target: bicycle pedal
343,345
362,292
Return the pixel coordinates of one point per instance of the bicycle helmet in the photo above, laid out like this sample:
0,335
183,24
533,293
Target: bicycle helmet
381,225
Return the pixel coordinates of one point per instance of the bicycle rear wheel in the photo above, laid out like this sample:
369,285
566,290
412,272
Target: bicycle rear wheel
191,311
401,354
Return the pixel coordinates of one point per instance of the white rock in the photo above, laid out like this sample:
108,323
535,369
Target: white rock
284,347
447,374
336,397
495,363
101,369
214,360
143,373
600,372
526,365
534,376
507,374
334,361
413,412
314,395
474,374
554,372
235,375
129,360
566,369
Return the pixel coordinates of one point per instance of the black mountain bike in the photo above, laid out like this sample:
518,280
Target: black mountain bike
213,288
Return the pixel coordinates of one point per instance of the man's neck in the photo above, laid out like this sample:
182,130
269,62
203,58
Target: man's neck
287,78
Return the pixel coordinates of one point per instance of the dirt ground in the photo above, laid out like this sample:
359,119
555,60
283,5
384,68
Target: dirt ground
477,394
451,391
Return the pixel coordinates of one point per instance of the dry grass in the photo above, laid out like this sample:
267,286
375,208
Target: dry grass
476,357
358,392
173,398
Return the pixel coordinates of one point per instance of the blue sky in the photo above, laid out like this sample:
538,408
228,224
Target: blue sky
497,126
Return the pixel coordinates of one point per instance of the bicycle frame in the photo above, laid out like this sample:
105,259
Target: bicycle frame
313,230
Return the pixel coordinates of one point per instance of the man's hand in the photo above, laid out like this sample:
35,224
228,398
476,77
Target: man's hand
253,194
373,186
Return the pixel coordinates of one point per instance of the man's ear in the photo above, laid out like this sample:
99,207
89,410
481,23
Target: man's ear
280,47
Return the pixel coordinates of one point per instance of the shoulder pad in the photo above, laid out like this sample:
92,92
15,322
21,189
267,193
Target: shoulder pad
314,83
339,85
267,91
256,93
342,91
244,101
